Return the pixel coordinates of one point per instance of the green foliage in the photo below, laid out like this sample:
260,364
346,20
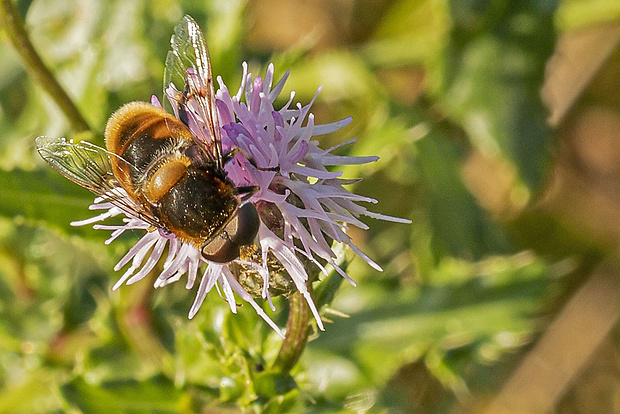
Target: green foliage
495,61
460,226
155,394
50,198
457,293
466,307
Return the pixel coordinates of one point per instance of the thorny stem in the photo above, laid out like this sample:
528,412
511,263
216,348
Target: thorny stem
14,28
297,330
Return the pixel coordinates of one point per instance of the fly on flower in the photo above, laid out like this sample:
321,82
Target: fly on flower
154,168
251,196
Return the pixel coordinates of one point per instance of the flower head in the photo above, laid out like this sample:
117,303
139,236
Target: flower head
304,207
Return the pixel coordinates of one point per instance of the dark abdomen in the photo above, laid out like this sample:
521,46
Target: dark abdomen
198,206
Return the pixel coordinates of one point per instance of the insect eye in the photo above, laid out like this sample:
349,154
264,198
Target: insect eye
243,227
240,231
221,249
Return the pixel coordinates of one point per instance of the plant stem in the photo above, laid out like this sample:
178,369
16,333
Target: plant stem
297,330
14,28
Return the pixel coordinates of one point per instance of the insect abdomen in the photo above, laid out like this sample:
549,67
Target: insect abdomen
198,206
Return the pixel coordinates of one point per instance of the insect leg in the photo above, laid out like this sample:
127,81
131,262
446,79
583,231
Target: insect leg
231,154
246,191
226,158
183,115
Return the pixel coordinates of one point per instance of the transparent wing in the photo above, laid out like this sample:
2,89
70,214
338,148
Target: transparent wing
188,83
88,166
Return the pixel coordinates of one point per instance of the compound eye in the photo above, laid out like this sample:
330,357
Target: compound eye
243,227
221,249
240,231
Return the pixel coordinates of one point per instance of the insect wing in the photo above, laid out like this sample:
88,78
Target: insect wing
188,83
89,166
83,163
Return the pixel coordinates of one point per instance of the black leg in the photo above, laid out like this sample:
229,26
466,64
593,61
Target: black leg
231,154
183,115
246,191
226,158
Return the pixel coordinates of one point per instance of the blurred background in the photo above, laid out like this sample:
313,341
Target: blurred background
497,123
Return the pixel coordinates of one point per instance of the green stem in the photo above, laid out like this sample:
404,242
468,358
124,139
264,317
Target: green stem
14,28
297,330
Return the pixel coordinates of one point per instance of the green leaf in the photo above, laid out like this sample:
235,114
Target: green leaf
291,402
45,195
326,290
155,394
81,302
411,33
272,384
468,303
495,65
458,225
575,14
27,395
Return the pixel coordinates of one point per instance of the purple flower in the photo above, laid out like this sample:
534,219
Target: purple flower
304,207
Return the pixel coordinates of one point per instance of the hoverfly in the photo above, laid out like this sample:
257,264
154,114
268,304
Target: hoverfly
168,171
